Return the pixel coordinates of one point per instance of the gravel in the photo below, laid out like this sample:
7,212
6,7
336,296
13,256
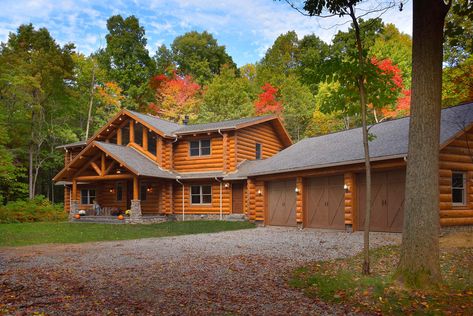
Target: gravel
237,272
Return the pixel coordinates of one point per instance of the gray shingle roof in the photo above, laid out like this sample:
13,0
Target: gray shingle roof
166,127
231,124
133,159
346,147
200,175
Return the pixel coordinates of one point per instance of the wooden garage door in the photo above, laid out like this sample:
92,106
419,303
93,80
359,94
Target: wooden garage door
325,202
282,203
387,211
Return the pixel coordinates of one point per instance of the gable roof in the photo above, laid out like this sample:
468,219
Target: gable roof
133,160
229,124
346,147
167,127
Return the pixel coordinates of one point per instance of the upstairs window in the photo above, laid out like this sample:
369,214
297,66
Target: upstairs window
139,134
119,192
152,137
125,135
201,194
199,147
87,196
458,188
258,151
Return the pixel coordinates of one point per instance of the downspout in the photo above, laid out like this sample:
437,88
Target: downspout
221,210
183,196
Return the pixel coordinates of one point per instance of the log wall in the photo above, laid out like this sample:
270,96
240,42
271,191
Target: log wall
246,139
300,200
213,208
183,162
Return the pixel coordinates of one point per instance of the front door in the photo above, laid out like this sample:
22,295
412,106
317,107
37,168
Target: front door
237,198
129,194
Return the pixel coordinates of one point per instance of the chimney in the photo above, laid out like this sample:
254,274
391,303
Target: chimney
186,120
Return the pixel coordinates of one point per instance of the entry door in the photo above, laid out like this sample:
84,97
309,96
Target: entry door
282,203
387,206
325,202
237,198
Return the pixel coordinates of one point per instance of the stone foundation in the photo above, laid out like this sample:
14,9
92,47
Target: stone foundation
453,229
135,212
196,217
74,209
147,219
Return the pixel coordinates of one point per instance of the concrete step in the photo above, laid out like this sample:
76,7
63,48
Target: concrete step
98,219
236,218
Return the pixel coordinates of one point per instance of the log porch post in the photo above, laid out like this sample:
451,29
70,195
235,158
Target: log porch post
74,207
119,136
132,131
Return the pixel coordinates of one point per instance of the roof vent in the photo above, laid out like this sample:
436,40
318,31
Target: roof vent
185,121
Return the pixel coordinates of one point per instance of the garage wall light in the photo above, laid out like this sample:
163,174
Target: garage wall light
296,190
346,187
259,192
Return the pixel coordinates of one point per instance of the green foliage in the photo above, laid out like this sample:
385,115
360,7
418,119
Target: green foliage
127,60
38,209
41,233
458,44
313,53
226,97
457,84
199,55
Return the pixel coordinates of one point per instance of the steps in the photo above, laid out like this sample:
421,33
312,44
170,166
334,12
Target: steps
98,219
236,218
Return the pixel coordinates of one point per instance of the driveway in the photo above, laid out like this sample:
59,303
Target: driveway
238,272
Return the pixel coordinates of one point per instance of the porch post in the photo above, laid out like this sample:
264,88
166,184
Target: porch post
74,207
135,210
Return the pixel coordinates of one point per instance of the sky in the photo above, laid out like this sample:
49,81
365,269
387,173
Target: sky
247,28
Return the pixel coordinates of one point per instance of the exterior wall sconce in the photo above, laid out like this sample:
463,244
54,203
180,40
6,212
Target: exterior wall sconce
149,189
297,190
112,190
259,192
226,185
346,188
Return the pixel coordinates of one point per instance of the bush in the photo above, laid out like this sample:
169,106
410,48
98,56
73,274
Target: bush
39,209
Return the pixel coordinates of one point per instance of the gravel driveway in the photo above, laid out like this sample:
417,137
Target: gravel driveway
238,272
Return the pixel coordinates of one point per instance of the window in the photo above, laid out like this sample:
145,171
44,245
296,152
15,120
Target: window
139,134
458,188
119,192
201,194
152,142
87,196
125,135
258,151
143,191
200,147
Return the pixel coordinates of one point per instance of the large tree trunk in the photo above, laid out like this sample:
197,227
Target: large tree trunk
362,90
419,263
91,103
31,191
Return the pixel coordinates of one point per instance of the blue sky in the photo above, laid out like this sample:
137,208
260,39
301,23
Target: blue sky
246,27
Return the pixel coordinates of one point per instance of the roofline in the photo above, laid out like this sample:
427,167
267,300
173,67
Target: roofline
258,120
342,163
457,135
72,145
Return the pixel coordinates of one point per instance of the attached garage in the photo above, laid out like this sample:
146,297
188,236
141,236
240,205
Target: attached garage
281,203
324,202
387,192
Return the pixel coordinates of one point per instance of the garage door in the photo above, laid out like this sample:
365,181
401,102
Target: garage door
325,202
282,203
387,200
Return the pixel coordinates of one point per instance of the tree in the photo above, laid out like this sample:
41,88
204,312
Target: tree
164,60
175,97
127,60
313,52
458,83
226,97
419,264
458,33
199,55
267,102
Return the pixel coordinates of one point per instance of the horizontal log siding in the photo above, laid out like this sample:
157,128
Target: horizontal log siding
105,198
350,199
457,156
151,205
67,199
232,156
183,162
166,198
264,134
300,200
213,208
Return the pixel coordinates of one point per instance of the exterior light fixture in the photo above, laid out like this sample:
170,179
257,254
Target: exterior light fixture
346,187
149,189
259,192
112,190
297,190
226,185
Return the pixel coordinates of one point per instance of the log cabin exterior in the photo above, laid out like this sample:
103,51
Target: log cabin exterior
249,166
151,166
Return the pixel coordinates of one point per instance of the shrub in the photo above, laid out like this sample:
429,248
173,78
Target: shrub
39,209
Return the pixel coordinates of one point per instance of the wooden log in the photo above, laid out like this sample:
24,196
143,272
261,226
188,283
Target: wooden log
132,131
456,166
445,205
105,178
456,213
455,158
96,168
135,188
456,221
74,189
119,136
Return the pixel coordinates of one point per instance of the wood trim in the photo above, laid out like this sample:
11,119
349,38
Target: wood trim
102,165
119,136
105,178
74,189
96,168
110,167
135,188
132,131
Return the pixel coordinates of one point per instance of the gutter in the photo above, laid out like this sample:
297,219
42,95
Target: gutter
221,209
183,196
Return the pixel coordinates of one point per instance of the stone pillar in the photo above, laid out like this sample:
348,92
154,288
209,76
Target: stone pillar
74,209
135,211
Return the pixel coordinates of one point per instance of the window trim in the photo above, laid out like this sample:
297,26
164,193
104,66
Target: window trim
200,147
201,195
91,201
464,188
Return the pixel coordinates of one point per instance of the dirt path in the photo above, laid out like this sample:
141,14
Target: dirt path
241,272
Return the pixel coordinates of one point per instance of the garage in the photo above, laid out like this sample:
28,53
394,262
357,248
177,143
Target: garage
325,202
387,200
282,203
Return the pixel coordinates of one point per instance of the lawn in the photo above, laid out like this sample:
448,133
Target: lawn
341,282
63,232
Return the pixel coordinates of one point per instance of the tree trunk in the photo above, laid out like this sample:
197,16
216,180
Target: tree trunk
419,264
31,191
361,87
91,102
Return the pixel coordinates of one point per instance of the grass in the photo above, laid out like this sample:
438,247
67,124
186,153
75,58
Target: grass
341,282
63,232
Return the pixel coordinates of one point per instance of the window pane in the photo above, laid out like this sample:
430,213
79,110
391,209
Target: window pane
205,143
205,151
125,135
206,189
457,180
119,193
258,151
194,144
457,196
91,195
152,142
195,189
206,199
195,199
84,198
194,151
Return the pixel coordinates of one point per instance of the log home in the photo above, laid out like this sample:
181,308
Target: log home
249,166
150,166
